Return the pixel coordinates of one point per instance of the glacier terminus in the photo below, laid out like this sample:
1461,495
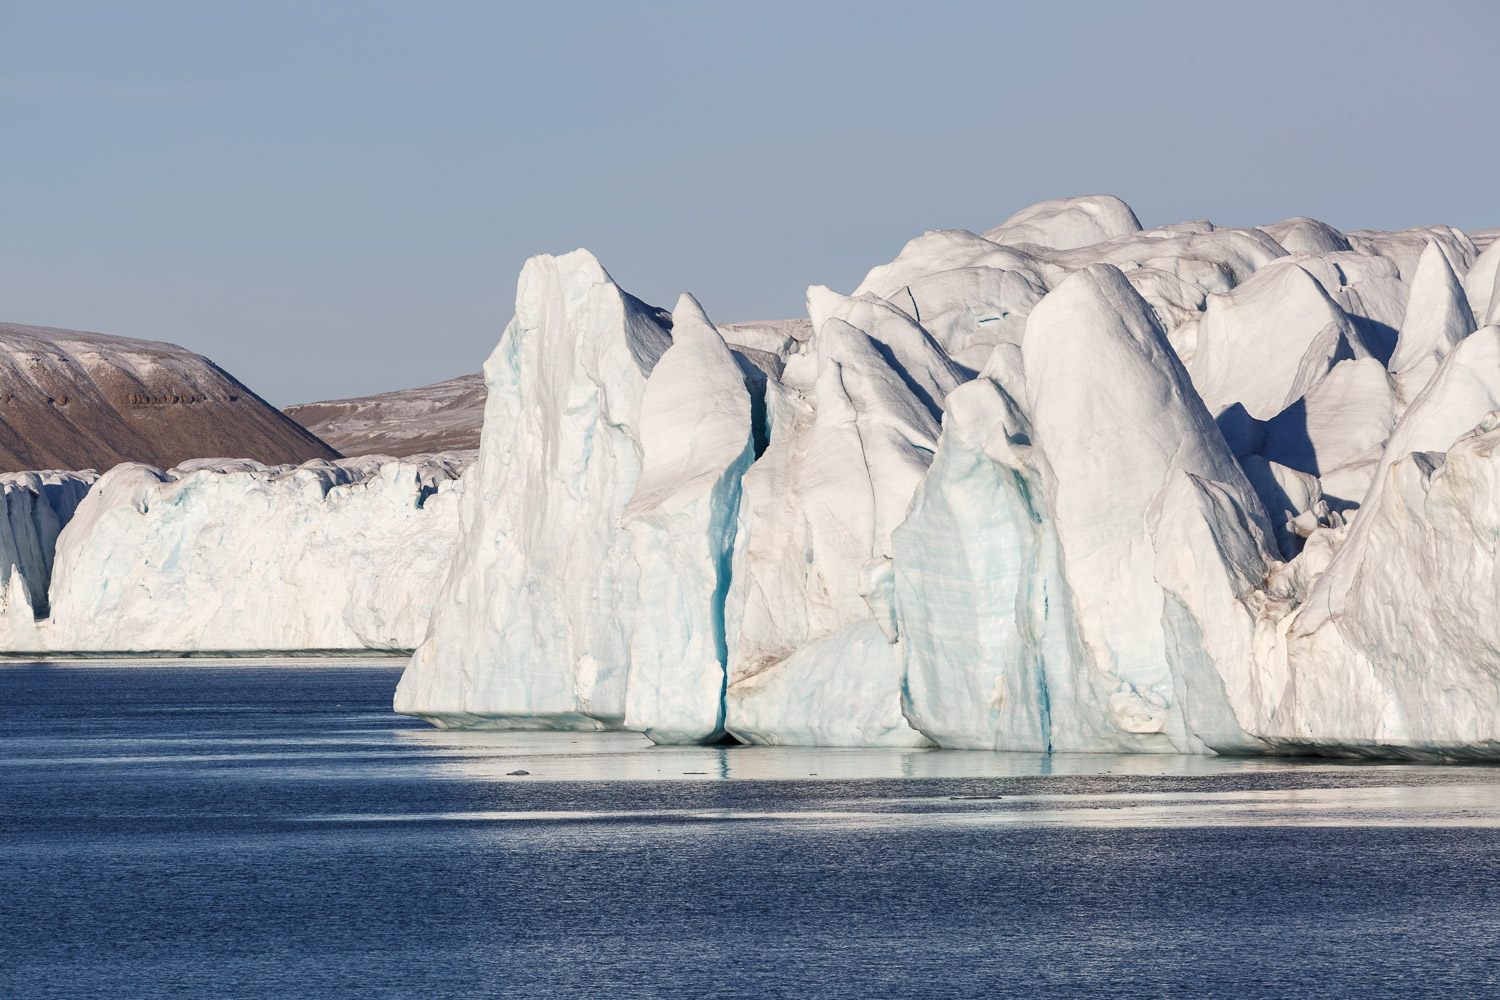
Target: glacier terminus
1065,485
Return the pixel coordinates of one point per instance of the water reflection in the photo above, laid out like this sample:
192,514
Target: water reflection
1087,790
619,756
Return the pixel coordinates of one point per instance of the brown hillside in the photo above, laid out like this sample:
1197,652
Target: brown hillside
74,400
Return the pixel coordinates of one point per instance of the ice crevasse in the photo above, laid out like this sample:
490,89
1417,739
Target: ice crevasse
1069,485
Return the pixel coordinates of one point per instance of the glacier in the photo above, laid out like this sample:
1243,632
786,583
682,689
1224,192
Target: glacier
1065,485
37,507
228,556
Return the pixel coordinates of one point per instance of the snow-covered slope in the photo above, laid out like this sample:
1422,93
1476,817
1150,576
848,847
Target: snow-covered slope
444,416
1067,485
74,400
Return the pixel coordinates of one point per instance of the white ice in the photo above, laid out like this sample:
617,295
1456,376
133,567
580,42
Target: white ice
1068,485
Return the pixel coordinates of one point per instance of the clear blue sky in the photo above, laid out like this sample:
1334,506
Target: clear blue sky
334,199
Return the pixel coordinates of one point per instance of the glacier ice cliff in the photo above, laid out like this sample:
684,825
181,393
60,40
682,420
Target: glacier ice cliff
231,557
1066,485
37,506
1071,630
598,521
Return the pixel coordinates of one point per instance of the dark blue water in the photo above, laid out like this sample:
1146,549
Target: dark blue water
211,831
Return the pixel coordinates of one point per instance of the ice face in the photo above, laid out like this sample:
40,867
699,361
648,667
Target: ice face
854,423
1065,552
1068,485
37,506
697,443
236,557
239,561
1421,610
535,622
979,598
1028,606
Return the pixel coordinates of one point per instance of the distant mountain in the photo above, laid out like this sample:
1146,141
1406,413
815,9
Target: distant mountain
75,400
444,416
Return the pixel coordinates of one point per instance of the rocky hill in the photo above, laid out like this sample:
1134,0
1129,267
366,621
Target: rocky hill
444,416
75,400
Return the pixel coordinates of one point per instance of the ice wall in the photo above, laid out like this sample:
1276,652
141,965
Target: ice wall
855,420
1067,485
37,506
588,587
1069,634
240,557
697,442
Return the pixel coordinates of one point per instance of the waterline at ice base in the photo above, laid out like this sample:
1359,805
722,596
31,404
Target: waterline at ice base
1068,485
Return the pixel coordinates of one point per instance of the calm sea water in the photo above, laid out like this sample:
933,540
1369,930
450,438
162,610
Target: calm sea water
189,830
